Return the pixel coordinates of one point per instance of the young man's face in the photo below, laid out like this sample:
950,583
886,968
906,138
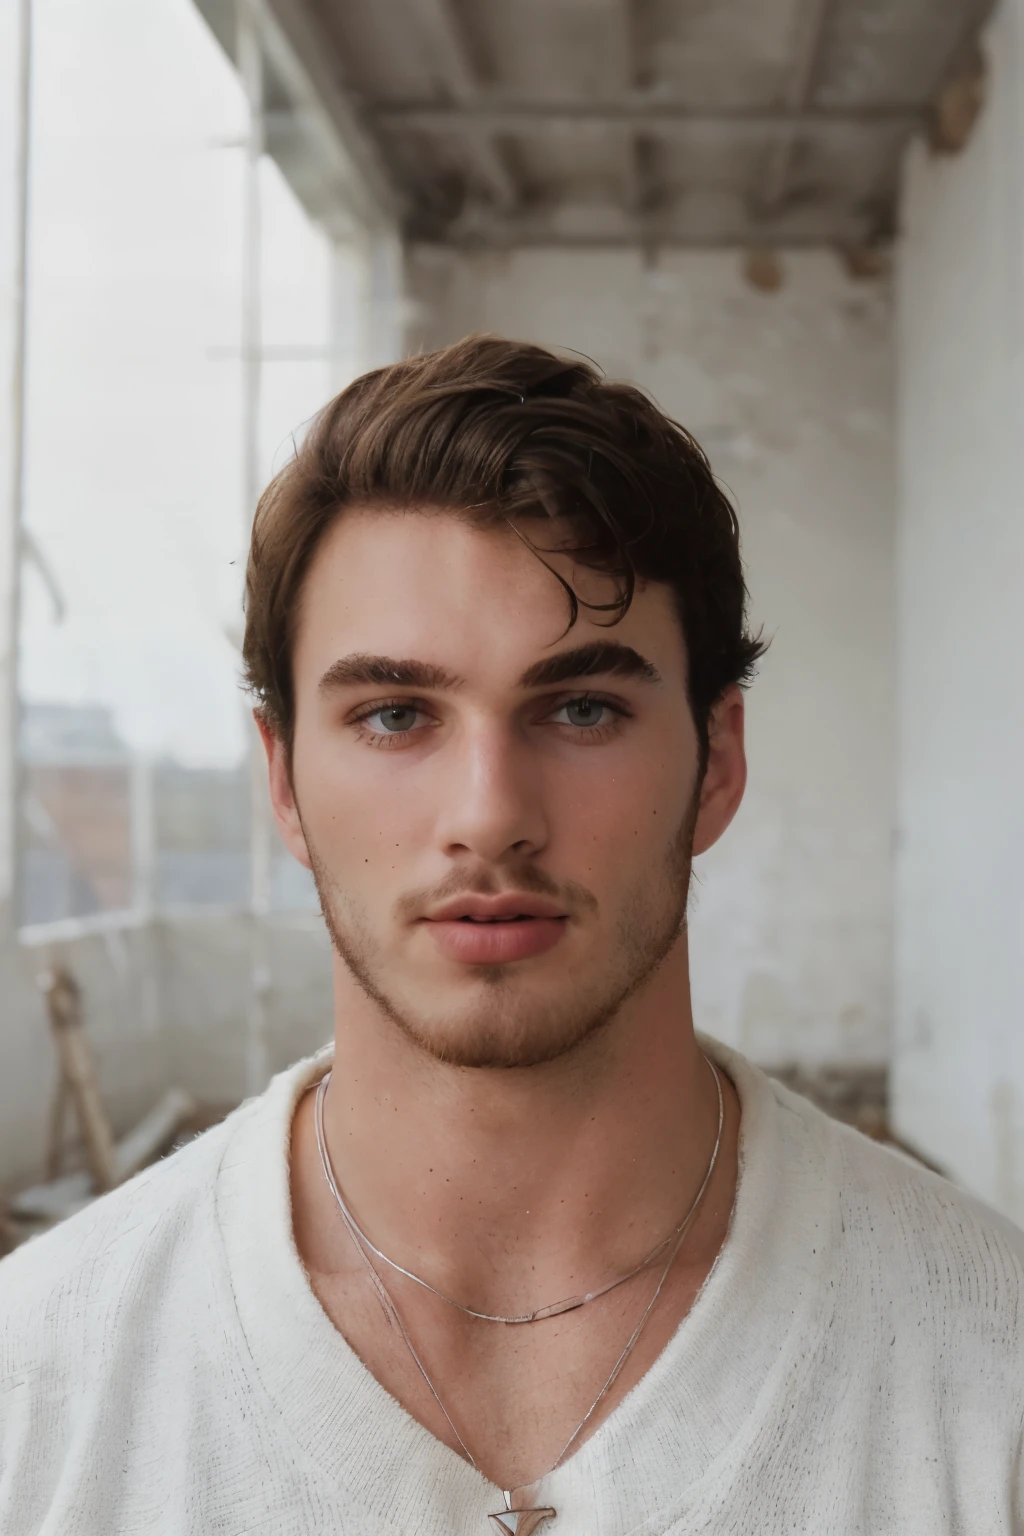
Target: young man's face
499,812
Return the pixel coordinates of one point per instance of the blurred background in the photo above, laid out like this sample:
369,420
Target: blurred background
798,223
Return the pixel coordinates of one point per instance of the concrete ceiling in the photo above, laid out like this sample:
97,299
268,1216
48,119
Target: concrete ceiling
698,122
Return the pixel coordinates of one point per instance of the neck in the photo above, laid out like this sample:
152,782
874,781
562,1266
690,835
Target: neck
512,1189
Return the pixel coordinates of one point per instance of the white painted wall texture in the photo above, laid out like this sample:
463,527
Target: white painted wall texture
958,1062
790,393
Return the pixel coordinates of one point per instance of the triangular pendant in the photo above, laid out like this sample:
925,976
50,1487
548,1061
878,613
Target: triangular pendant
520,1522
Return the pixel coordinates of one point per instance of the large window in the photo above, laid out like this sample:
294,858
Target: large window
190,306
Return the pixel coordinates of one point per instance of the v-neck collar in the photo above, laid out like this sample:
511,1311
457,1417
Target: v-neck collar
693,1404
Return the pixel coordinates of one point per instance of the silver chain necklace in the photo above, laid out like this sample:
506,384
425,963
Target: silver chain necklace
524,1519
555,1308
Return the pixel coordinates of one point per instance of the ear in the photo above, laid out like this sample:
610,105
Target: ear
282,796
725,777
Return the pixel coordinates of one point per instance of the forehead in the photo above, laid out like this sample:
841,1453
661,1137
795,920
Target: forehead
430,586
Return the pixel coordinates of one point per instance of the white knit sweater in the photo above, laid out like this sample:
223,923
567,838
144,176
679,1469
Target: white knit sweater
853,1364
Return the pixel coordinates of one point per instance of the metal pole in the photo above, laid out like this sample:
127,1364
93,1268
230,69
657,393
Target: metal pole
342,344
12,516
383,335
144,951
250,68
143,835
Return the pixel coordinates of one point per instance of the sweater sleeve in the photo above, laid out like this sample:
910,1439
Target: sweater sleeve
84,1309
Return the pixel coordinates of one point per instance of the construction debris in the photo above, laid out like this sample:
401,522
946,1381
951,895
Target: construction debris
60,1197
78,1082
109,1162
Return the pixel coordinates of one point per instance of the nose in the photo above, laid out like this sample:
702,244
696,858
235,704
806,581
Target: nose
493,800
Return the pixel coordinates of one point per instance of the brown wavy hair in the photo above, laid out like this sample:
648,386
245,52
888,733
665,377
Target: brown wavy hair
504,432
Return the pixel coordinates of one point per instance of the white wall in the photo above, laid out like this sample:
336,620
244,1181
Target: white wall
790,392
11,132
958,1069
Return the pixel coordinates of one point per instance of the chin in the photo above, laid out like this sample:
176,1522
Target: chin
503,1026
486,1046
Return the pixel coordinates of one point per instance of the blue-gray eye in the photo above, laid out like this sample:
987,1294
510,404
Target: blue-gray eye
584,711
396,717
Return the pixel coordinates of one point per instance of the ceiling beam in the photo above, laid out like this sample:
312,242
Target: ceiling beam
769,192
443,36
815,228
654,117
635,164
301,51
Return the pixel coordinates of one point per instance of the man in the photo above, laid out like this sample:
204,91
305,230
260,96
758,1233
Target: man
537,1257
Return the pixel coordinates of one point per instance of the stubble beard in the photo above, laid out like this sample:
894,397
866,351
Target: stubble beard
505,1025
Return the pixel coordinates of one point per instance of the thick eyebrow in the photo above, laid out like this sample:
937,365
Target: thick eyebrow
387,672
601,658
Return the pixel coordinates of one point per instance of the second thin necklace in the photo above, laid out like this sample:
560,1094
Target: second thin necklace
552,1309
516,1519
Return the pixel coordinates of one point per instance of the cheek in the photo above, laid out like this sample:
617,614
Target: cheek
356,821
626,816
328,798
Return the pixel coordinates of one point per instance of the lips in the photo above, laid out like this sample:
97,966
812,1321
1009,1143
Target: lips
495,930
485,909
